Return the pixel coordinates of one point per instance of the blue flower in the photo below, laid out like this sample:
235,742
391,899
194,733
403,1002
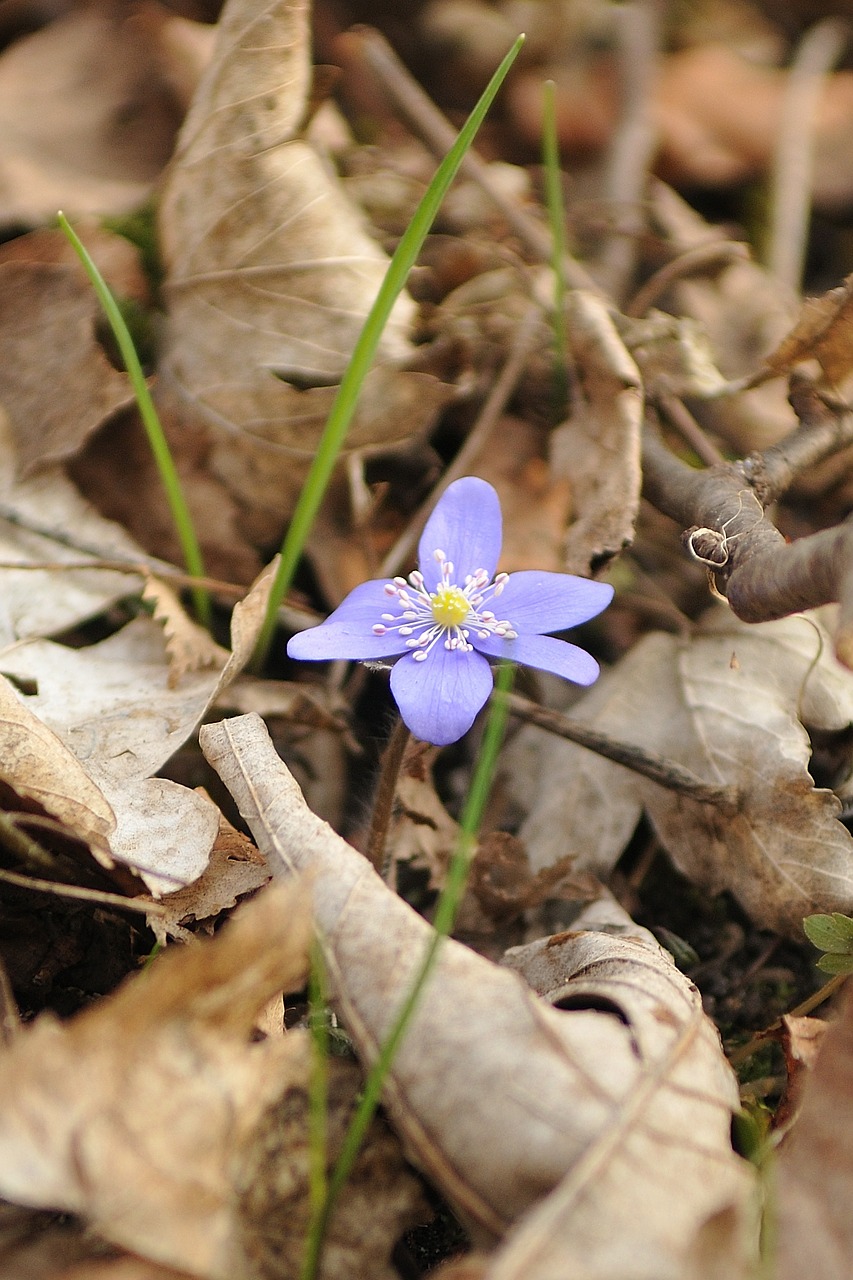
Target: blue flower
443,623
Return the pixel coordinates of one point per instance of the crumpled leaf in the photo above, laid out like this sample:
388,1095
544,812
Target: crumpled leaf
155,1116
113,709
823,332
733,703
271,274
813,1178
497,1094
598,449
586,1227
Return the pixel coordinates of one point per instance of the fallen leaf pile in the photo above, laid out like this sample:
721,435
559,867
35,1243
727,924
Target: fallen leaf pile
623,1065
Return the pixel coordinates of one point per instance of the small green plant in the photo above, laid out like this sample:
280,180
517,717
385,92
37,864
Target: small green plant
832,934
151,421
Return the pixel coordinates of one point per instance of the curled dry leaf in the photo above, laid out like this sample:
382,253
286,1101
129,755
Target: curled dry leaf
497,1094
113,709
155,1117
823,332
271,274
735,704
598,449
814,1174
662,1169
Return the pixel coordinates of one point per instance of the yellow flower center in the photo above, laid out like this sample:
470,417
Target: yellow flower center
449,605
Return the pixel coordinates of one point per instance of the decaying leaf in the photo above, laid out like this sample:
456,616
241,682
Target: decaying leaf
598,449
498,1095
155,1117
189,646
734,703
113,708
637,1171
814,1174
823,332
271,275
41,767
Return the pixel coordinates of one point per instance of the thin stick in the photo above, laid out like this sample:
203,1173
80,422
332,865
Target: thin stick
434,129
667,773
82,894
819,50
386,789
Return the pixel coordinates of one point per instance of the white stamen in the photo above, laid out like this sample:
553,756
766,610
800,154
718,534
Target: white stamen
378,629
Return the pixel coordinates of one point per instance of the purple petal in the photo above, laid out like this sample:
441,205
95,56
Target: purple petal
544,653
466,525
440,697
348,632
540,602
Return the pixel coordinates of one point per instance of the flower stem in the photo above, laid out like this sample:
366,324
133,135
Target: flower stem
153,427
383,800
445,916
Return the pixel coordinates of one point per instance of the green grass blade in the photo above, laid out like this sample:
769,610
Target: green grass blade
343,408
153,427
557,222
445,915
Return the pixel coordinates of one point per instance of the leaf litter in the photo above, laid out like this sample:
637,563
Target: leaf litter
561,1089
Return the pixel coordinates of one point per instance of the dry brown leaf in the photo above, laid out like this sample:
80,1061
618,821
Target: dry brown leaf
732,704
497,1094
235,869
813,1178
49,311
631,1208
155,1117
86,120
271,275
823,332
40,767
598,449
189,646
113,707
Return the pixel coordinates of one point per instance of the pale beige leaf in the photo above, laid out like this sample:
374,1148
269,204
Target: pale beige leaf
271,273
814,1174
734,704
155,1117
497,1094
662,1167
39,766
41,602
598,449
114,707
